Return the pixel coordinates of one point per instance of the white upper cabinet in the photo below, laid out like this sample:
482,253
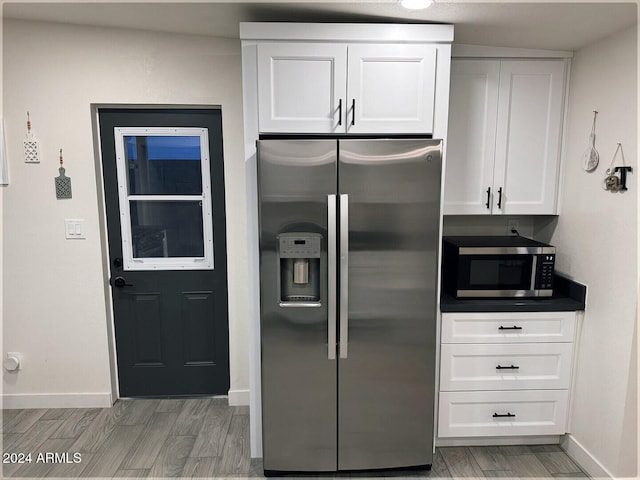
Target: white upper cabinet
339,78
528,138
472,131
340,88
390,88
505,128
302,87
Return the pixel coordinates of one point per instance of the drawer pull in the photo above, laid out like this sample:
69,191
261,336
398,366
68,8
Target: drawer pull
509,328
503,415
508,367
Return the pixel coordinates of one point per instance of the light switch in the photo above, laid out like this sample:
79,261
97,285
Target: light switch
74,229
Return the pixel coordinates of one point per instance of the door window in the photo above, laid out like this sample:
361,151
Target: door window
164,194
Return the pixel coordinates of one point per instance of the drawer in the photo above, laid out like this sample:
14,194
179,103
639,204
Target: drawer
481,414
508,327
525,366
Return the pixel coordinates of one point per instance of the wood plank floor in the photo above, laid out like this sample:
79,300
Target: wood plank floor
206,438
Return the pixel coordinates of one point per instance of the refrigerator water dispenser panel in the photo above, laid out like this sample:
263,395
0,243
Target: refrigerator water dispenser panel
299,262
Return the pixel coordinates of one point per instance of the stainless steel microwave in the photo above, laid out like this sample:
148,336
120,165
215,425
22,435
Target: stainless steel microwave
497,266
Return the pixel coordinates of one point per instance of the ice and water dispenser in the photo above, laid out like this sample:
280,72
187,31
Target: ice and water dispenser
299,264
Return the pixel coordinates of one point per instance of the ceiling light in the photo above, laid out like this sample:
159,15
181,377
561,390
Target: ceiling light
416,4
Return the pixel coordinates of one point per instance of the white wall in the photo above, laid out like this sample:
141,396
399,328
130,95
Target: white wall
55,300
596,240
487,225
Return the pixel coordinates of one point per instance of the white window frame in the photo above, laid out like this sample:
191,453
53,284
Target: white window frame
163,263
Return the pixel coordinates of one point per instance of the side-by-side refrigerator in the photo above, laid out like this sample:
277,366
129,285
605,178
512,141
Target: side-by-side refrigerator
349,240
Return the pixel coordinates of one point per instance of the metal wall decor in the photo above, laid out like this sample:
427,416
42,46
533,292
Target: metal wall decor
63,183
31,145
590,158
616,179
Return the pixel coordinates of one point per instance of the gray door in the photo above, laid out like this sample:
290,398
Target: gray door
164,192
297,186
386,376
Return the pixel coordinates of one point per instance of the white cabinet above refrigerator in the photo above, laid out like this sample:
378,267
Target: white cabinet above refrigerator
340,88
351,79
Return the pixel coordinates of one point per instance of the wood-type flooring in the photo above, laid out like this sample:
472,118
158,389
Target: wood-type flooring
206,438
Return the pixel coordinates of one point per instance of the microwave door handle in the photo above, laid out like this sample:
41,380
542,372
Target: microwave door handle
534,271
332,274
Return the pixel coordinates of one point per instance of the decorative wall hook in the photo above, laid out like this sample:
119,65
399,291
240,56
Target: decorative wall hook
616,179
63,183
31,145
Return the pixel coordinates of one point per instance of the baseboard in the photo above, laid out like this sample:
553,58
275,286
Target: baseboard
584,458
57,400
239,397
494,441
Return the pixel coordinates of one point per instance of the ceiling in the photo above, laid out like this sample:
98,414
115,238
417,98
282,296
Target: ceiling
541,25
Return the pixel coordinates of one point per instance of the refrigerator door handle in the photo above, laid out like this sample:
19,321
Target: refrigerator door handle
344,275
332,281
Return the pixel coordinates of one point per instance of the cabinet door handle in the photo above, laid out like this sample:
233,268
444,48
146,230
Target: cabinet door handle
500,197
353,112
502,415
340,112
508,367
509,328
488,198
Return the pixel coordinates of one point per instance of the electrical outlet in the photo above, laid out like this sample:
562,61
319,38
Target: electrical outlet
13,361
513,224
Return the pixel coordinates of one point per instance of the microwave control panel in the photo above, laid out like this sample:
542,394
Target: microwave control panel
546,264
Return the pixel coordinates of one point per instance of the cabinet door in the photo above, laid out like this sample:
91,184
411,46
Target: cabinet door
528,136
471,137
391,88
301,87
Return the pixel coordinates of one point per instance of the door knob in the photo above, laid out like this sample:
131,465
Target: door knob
120,282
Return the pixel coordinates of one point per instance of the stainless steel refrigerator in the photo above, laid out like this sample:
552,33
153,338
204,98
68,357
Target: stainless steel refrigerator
349,240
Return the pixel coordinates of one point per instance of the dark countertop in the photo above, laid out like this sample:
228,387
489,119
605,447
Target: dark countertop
568,296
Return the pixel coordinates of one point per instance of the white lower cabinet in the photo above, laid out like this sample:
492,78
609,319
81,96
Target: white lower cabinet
505,367
502,413
508,327
505,374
